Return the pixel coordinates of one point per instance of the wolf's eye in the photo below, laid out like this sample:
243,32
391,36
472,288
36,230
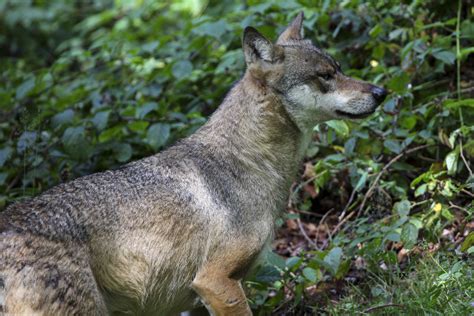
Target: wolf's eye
326,76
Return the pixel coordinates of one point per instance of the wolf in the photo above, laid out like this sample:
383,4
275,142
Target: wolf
180,228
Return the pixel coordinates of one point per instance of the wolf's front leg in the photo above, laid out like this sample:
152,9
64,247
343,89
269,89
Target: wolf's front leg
222,295
217,282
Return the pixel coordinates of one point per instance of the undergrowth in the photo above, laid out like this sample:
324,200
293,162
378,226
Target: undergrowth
437,284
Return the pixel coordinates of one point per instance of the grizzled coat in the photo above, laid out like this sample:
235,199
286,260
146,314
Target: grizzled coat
158,234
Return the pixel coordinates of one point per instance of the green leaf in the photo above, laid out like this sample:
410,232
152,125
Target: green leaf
62,118
26,140
408,122
146,108
376,291
393,236
100,120
75,143
362,180
231,60
153,90
343,269
421,190
310,274
5,154
445,56
468,242
399,84
350,145
25,88
274,259
138,126
454,104
409,235
214,29
110,133
422,177
402,208
466,51
453,136
181,69
339,126
3,178
123,152
395,33
376,30
390,105
267,274
333,258
150,46
447,214
393,145
157,135
293,262
322,178
451,161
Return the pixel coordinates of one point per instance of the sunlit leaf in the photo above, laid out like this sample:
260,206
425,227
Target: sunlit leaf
451,161
339,126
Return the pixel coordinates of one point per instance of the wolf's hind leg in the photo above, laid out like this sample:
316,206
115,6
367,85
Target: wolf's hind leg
49,279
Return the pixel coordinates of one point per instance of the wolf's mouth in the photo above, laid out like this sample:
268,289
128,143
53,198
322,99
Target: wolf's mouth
354,115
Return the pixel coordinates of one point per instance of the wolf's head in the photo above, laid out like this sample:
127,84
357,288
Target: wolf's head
309,82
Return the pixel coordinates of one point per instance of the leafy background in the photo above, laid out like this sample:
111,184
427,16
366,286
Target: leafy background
381,220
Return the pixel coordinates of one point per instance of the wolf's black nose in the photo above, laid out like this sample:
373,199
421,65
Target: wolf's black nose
379,94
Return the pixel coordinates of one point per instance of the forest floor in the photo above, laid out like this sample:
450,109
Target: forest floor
431,278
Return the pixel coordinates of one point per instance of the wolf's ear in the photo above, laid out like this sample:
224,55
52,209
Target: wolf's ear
256,46
294,31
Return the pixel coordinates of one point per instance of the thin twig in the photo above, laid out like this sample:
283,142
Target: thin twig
325,216
290,200
351,198
419,203
295,191
308,213
464,158
339,225
388,165
371,309
303,232
321,222
452,205
467,192
14,182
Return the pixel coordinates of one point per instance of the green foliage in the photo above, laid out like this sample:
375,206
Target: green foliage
88,86
437,285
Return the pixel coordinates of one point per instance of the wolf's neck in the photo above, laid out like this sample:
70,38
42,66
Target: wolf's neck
253,128
253,119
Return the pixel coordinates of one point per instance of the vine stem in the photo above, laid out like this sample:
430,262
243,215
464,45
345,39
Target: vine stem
384,169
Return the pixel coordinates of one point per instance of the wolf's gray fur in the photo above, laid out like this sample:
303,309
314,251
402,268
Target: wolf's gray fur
147,237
